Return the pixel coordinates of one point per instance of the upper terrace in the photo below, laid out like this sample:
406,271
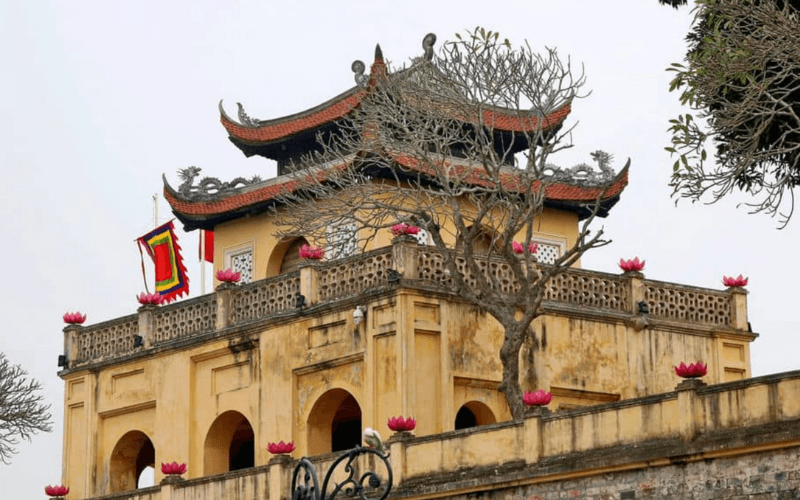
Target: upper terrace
576,293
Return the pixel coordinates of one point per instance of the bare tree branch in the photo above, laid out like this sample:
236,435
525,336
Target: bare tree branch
457,145
22,411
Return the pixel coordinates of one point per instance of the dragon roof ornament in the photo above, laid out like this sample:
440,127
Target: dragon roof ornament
209,188
583,174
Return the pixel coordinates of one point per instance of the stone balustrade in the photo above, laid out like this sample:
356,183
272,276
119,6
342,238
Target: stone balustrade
406,264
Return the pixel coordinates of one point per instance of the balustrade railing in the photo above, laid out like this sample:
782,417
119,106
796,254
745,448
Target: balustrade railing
415,264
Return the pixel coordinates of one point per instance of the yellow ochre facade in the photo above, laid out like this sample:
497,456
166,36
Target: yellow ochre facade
221,376
315,352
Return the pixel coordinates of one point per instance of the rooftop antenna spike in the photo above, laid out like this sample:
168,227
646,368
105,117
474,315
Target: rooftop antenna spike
427,44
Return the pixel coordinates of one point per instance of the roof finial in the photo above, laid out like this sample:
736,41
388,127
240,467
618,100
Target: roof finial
358,68
427,45
378,53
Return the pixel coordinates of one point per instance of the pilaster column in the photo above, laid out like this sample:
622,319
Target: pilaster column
71,333
147,324
225,305
309,283
738,308
404,255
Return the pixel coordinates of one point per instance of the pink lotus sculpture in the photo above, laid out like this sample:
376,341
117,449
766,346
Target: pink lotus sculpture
400,424
281,448
228,276
694,370
538,398
517,247
309,252
629,265
737,282
150,299
75,318
402,228
173,469
56,491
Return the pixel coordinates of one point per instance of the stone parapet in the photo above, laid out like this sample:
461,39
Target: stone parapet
405,263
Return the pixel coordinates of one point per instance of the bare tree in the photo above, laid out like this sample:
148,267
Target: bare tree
435,146
742,78
22,411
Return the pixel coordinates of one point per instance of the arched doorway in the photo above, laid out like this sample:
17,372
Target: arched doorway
334,423
132,454
474,414
285,257
230,444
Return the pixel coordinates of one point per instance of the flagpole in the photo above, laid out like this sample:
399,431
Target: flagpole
202,262
155,210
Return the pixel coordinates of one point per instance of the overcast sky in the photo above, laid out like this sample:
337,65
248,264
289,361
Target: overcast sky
99,98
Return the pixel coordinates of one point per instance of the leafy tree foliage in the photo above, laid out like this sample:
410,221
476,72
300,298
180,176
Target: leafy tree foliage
22,411
741,80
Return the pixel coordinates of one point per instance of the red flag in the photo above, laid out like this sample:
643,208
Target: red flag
162,246
206,249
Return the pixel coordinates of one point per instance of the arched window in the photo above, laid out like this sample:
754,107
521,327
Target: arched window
474,414
285,257
131,455
230,444
334,423
291,257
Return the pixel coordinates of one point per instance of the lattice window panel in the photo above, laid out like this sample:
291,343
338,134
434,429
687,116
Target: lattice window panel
266,297
185,318
342,241
355,275
100,341
547,253
687,304
242,263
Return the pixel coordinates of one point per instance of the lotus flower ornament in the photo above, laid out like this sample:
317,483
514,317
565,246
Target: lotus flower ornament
631,265
56,491
281,448
75,318
150,299
737,282
518,249
400,424
538,398
402,228
694,370
228,276
173,469
309,252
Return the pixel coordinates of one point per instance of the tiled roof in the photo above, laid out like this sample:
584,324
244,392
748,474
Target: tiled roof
265,132
290,125
560,193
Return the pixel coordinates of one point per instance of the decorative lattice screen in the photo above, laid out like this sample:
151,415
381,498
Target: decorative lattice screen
342,241
242,263
548,252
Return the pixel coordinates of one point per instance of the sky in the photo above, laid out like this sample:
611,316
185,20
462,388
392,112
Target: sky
98,99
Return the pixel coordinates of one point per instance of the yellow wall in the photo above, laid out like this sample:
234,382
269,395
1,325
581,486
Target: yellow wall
416,354
258,233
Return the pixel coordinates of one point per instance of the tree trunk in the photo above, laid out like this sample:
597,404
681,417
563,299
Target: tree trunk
509,355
